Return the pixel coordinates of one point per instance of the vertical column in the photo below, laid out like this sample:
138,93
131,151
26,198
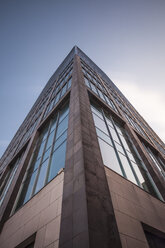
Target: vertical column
87,212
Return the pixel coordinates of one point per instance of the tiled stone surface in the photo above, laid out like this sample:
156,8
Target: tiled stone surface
87,218
41,215
132,206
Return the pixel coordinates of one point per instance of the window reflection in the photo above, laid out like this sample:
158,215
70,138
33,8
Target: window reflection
48,156
119,153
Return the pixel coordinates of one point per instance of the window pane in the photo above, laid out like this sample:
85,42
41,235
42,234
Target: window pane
63,90
27,189
46,154
54,122
42,175
119,147
109,157
30,183
114,135
57,97
64,112
103,136
138,173
36,164
101,95
127,168
94,89
124,143
45,133
131,157
41,149
60,140
97,111
50,140
58,161
100,124
109,122
62,127
87,82
69,83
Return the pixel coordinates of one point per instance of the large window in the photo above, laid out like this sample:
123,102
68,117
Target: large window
48,156
119,153
4,187
156,159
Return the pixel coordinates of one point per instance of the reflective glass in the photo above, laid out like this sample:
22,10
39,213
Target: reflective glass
46,154
124,143
69,83
114,135
103,136
53,125
119,147
127,168
50,140
109,156
41,149
36,164
94,89
57,97
62,127
100,124
63,90
41,177
29,186
60,140
97,111
64,112
58,161
101,95
131,157
138,173
109,122
87,82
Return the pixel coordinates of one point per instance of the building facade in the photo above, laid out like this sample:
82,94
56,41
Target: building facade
84,169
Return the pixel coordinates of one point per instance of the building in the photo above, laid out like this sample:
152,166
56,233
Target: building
84,169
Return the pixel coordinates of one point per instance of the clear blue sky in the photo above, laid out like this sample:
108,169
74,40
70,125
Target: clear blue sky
125,38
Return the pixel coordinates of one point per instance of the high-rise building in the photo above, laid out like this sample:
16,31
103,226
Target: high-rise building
84,170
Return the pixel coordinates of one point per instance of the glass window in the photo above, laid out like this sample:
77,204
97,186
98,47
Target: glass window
109,156
63,113
69,83
127,168
94,89
41,176
103,136
47,158
100,123
87,82
101,95
57,162
119,153
60,140
8,179
62,127
57,98
64,90
97,111
50,140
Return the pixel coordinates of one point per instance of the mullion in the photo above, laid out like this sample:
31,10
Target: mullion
113,143
129,161
39,166
51,152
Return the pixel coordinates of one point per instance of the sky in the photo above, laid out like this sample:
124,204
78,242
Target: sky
125,38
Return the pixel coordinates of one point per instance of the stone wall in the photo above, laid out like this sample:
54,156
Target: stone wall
41,215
